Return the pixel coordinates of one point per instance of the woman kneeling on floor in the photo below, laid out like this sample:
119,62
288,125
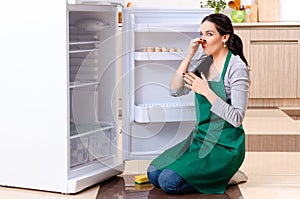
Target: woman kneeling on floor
213,152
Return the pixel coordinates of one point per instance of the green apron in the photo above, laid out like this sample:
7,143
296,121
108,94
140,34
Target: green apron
214,150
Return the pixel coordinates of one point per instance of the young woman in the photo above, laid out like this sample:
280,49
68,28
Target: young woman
213,152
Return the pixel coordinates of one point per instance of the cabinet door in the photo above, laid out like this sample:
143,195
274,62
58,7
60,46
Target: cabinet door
273,69
244,34
273,62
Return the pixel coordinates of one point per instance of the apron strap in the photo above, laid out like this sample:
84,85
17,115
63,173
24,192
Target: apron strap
226,63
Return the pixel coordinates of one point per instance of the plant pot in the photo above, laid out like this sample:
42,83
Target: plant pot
238,16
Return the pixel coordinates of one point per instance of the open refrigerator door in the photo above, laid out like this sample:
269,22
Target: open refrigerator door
154,43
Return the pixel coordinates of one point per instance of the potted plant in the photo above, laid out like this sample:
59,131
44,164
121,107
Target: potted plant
218,5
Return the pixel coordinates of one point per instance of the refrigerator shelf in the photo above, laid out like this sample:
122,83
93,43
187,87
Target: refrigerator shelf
78,84
171,112
83,37
83,50
91,26
80,130
83,42
165,27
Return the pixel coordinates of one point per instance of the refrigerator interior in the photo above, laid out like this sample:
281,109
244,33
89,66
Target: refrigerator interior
155,41
93,90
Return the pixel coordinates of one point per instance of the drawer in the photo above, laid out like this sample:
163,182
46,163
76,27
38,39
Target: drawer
94,146
91,142
79,151
272,34
100,144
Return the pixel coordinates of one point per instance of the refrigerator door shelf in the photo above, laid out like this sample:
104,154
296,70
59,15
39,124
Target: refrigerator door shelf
145,113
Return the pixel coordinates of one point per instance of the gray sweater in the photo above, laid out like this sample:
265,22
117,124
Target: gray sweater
236,83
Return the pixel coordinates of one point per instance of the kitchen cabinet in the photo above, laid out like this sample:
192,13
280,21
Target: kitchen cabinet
274,63
152,119
272,51
244,34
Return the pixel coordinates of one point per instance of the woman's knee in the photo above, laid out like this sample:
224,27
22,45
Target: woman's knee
169,181
153,174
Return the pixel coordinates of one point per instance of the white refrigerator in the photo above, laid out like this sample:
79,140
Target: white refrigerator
59,90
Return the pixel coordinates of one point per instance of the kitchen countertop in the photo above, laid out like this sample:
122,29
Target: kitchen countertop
266,24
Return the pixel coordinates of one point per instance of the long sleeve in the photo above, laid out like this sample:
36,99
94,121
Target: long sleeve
236,82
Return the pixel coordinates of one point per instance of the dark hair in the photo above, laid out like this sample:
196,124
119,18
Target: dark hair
224,26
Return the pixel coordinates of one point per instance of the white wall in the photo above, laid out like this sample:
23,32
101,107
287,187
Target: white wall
289,10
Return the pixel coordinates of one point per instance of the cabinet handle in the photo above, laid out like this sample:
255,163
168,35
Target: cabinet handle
274,42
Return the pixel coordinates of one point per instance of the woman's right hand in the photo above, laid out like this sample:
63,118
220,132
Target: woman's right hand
194,46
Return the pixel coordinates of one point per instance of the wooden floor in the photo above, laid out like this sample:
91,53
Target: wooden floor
271,130
124,186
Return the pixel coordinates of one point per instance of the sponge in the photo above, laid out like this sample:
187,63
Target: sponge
140,179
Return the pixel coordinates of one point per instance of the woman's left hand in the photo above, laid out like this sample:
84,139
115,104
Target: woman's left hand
197,84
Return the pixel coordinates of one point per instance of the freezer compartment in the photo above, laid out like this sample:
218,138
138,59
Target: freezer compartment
92,42
92,145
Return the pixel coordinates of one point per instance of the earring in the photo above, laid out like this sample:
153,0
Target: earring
224,44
